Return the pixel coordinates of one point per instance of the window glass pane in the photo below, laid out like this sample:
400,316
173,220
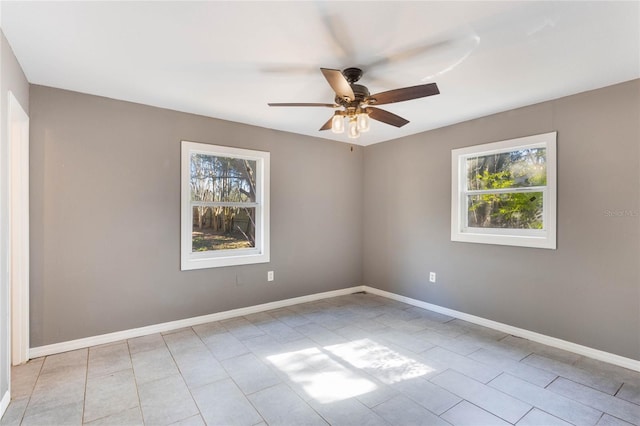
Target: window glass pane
515,169
519,210
222,179
223,228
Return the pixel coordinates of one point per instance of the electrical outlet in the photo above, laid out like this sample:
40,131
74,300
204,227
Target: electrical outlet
432,277
270,276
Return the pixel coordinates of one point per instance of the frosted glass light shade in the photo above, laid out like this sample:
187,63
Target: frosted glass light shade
354,133
363,122
337,124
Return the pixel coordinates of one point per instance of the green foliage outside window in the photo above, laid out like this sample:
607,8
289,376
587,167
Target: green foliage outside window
500,179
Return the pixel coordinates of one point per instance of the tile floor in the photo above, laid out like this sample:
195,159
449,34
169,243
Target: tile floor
353,360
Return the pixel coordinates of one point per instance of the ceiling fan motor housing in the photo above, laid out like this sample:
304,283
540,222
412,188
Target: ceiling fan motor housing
360,92
352,74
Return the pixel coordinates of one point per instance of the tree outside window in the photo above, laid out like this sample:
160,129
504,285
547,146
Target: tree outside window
505,192
225,200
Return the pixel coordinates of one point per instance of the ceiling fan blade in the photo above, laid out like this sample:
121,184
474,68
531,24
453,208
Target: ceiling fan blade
386,117
298,104
284,68
338,35
409,53
327,125
338,83
404,94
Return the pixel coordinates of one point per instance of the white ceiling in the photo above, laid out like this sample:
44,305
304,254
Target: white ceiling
228,59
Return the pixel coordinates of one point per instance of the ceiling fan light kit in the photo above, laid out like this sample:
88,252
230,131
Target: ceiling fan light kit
337,123
354,133
358,122
354,102
363,122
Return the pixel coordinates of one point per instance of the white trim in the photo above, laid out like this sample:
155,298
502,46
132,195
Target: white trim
188,322
4,403
18,132
55,348
614,359
537,238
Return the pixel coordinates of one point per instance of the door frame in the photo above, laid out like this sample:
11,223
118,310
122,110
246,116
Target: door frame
18,196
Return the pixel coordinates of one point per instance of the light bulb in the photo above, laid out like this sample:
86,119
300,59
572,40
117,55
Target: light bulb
354,133
363,122
337,124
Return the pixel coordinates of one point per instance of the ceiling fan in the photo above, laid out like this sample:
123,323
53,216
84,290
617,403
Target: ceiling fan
354,103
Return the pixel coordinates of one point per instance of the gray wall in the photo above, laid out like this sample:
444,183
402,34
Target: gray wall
105,220
105,217
11,79
587,291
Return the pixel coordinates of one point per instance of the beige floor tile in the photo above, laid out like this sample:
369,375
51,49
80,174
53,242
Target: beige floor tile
110,394
166,401
130,417
357,359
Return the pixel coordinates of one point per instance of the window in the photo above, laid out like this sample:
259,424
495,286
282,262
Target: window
224,206
505,192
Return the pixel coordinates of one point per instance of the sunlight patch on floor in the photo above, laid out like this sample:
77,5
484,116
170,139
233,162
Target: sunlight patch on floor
342,371
321,377
378,360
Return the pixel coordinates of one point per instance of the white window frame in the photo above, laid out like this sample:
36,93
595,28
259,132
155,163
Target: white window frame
537,238
217,258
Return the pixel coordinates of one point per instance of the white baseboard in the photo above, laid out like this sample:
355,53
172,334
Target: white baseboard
174,325
4,403
618,360
55,348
